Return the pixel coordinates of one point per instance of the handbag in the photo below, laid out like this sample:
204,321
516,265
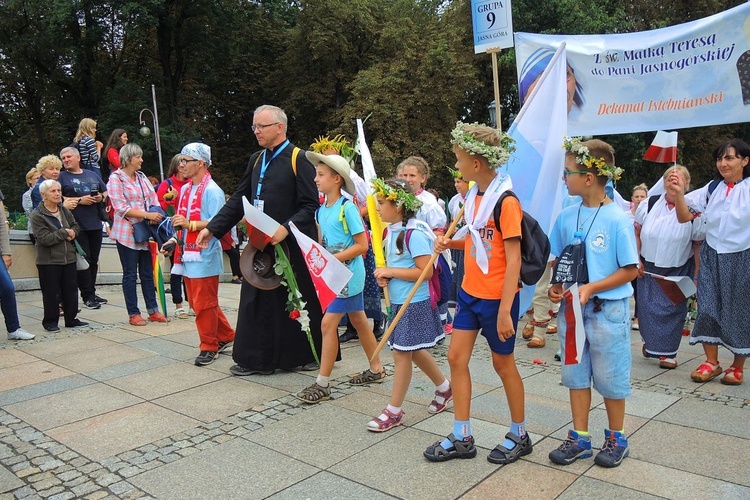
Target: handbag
81,263
141,229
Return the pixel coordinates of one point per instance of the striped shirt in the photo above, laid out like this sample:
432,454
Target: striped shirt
127,194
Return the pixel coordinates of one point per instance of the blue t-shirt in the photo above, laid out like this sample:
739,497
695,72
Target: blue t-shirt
419,244
610,243
83,184
336,240
213,258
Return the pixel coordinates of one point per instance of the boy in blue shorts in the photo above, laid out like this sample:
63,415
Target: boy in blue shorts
488,299
596,245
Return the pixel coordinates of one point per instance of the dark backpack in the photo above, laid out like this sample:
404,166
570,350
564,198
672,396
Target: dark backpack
535,247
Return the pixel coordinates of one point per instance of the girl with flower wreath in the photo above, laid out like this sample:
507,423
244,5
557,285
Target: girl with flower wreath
408,247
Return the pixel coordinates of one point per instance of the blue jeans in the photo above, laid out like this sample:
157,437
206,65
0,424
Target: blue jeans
8,300
137,261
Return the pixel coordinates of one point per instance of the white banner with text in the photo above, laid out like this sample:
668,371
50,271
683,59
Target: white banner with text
689,75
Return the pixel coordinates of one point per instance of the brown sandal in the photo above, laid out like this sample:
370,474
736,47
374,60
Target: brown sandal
368,377
314,394
536,343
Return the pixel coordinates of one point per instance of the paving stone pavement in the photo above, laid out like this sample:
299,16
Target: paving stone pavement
117,411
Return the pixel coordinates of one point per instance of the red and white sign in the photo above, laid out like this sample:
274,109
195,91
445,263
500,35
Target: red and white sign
328,274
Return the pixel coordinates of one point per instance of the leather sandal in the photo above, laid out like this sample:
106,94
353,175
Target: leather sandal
732,376
551,329
314,394
705,372
536,343
392,420
461,448
368,377
528,331
502,455
436,407
667,363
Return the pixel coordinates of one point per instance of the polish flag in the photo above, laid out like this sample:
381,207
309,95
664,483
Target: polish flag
663,149
260,227
676,288
575,336
328,274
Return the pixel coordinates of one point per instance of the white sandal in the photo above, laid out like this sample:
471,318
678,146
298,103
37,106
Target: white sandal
181,313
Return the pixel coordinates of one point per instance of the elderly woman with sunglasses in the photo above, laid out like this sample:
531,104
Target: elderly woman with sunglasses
724,277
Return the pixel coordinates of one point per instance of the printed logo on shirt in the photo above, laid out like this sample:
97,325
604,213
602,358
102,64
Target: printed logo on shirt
487,248
599,242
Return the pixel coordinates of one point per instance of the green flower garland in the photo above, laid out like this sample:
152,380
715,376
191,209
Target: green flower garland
403,199
495,155
575,146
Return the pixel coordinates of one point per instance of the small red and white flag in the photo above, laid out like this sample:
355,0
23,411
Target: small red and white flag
676,288
575,336
663,149
328,274
260,227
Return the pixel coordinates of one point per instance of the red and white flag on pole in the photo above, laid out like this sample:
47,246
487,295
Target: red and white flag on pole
663,149
575,336
260,227
328,274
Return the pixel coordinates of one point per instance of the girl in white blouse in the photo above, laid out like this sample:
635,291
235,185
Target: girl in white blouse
724,278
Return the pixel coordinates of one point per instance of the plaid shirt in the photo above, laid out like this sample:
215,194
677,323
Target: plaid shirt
127,194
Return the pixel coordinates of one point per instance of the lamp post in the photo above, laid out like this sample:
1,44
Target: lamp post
494,112
145,131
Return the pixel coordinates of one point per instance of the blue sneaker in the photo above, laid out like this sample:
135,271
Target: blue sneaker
572,449
614,451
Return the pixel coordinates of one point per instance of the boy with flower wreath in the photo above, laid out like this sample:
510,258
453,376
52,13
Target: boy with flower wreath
488,298
596,238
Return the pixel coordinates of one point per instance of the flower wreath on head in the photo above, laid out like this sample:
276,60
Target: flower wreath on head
408,201
456,174
575,146
339,144
496,155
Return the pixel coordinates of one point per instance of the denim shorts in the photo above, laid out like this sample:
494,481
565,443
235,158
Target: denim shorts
473,313
347,305
606,357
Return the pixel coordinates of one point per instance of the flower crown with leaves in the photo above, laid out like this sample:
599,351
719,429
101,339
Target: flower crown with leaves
408,201
456,174
496,155
575,146
339,144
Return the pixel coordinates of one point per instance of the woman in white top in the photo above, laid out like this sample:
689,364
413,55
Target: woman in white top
666,248
724,278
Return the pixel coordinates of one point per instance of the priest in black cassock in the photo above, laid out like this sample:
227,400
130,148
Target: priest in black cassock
266,337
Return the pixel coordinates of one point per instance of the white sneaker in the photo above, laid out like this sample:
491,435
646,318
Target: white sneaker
21,334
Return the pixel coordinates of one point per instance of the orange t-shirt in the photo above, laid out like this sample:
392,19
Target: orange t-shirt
490,285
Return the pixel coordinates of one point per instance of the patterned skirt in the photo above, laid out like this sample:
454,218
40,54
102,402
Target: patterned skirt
373,305
723,301
660,321
419,328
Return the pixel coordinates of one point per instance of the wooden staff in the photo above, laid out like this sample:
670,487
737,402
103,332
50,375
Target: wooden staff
389,331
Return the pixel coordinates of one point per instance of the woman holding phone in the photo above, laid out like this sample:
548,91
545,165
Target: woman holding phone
82,192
